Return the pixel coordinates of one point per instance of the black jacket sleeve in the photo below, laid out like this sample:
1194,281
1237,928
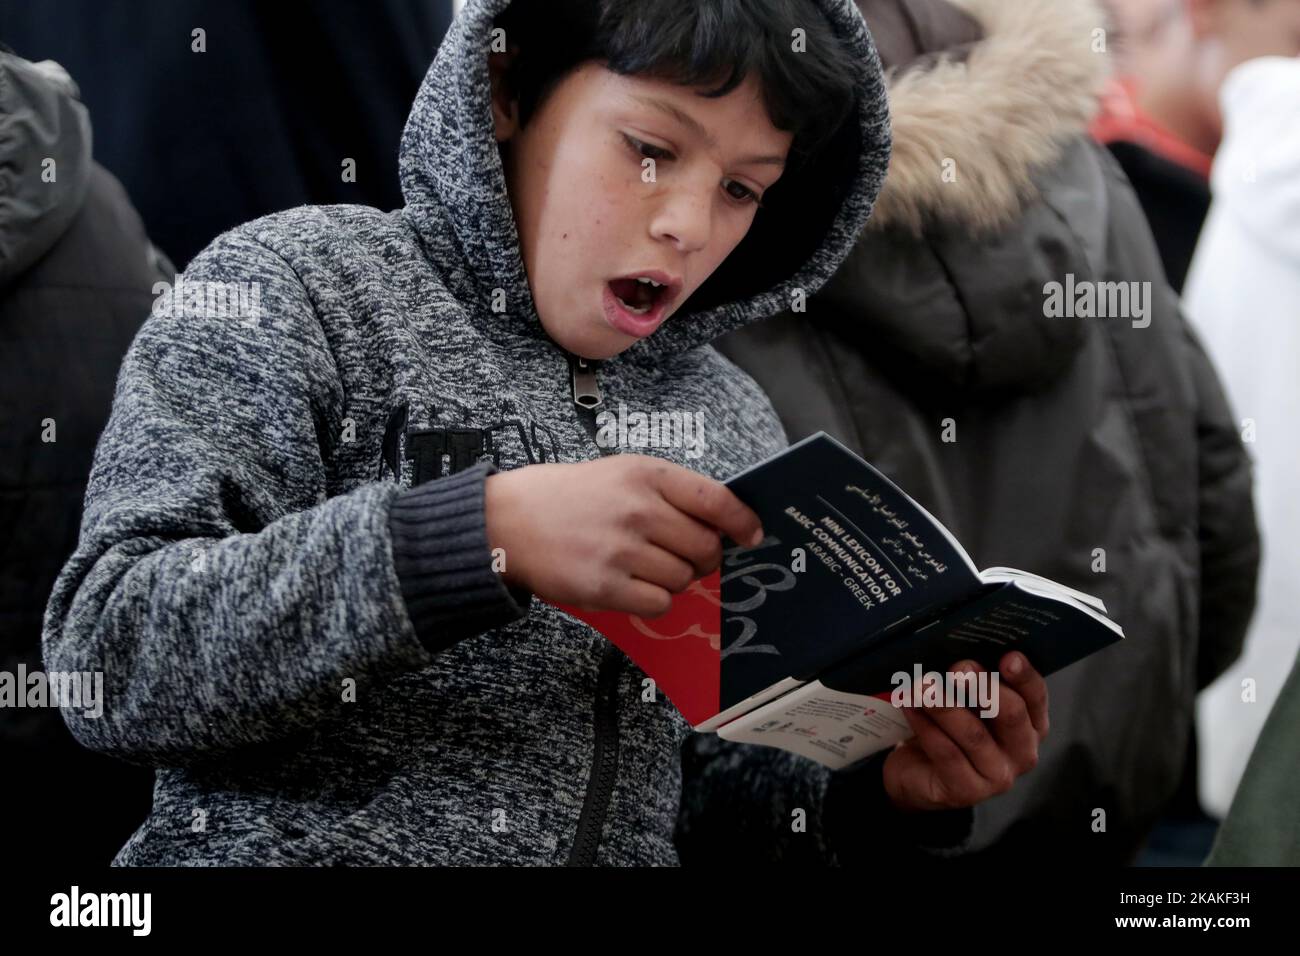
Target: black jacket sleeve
1227,530
742,803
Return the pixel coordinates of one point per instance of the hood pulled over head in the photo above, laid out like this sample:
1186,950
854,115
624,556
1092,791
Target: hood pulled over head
456,195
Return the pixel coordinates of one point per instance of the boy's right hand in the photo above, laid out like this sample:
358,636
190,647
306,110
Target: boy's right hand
623,533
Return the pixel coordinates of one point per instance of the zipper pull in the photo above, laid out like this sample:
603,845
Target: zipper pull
586,390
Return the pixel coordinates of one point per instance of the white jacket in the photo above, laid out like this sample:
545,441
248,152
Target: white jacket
1243,296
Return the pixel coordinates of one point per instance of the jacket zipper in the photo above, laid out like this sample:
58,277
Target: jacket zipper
604,762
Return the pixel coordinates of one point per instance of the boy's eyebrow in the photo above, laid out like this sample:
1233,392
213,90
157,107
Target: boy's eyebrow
694,125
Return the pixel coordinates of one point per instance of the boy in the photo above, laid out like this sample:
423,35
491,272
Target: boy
326,667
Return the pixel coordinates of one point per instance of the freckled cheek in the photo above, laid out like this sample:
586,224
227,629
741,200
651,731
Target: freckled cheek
593,210
602,217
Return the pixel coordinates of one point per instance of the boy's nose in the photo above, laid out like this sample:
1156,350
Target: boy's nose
685,218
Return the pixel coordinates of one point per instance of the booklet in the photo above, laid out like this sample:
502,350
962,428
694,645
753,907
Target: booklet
803,641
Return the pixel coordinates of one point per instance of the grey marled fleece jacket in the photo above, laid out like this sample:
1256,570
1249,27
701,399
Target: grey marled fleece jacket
283,570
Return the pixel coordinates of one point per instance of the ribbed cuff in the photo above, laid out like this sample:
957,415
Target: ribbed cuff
862,823
444,564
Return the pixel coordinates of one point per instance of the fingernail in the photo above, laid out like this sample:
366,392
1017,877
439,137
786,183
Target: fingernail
1015,665
757,538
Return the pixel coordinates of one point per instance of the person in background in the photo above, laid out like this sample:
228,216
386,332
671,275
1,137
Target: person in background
1243,296
1161,117
1162,120
76,278
1097,451
1262,827
270,106
1129,19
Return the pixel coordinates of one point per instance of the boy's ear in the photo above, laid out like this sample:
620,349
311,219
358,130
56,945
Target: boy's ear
505,107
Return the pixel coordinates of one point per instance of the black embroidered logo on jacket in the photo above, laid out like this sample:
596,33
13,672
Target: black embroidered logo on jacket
440,451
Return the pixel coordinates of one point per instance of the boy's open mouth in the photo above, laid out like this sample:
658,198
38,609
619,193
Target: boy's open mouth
637,304
638,296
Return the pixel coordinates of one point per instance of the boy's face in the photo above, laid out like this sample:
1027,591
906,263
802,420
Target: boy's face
593,214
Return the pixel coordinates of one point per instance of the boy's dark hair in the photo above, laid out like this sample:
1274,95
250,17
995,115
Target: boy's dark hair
713,45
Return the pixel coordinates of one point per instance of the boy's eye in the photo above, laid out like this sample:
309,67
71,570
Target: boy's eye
646,150
745,194
738,192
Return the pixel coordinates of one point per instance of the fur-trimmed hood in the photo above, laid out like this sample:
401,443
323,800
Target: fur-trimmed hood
994,117
945,287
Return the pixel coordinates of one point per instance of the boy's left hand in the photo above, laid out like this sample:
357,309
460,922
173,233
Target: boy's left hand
958,759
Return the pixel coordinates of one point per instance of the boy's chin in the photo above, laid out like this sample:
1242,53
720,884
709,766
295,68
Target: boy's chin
596,344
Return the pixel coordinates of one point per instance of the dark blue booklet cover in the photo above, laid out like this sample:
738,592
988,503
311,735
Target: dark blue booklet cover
795,642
